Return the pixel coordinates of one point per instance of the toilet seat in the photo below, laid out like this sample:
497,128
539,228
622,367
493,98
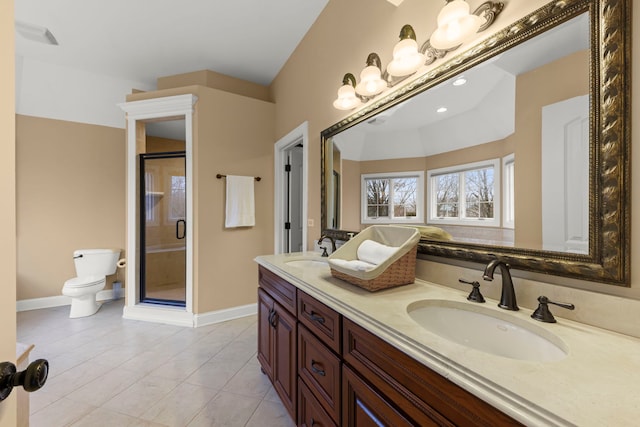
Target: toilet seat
83,282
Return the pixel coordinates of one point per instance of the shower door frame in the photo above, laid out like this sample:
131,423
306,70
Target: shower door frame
139,113
144,298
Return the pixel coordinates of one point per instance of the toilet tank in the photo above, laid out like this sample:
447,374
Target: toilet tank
95,262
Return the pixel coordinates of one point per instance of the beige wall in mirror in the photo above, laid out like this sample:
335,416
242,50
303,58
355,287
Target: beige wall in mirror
335,27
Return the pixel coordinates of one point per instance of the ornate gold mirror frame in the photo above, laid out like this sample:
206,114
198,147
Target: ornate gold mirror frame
608,259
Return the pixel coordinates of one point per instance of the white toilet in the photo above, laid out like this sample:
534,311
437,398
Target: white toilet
92,267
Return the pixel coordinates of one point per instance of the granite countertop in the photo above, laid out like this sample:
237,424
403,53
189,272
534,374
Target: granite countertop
598,383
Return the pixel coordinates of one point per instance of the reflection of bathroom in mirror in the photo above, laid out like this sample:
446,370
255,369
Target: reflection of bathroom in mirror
511,111
521,146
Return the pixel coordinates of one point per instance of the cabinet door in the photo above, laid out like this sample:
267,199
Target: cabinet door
285,347
266,351
364,407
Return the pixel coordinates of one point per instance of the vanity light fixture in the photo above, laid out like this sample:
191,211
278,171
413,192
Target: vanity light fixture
455,25
371,82
406,57
347,98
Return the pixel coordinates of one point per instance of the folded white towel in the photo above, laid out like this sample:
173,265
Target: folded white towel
240,207
353,264
374,252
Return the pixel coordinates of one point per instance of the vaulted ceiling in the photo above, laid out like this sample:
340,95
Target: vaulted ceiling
141,40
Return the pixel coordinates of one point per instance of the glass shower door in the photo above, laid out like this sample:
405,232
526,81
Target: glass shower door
163,228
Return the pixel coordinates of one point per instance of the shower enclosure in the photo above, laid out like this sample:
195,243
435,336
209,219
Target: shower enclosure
163,228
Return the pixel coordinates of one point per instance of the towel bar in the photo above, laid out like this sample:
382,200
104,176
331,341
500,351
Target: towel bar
220,176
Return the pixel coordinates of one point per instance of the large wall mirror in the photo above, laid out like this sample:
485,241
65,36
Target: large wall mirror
518,148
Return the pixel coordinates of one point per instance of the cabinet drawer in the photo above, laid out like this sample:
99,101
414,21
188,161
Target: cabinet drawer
321,320
281,290
319,368
417,390
363,406
310,412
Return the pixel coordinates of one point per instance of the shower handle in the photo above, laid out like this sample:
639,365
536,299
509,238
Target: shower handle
182,235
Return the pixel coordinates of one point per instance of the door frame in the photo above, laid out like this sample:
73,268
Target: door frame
139,112
298,135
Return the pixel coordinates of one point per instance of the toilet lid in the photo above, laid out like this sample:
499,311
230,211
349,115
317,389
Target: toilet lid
81,282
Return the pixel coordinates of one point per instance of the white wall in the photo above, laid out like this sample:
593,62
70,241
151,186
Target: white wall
56,92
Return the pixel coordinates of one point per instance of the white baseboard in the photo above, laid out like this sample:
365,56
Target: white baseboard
58,301
179,317
225,314
149,312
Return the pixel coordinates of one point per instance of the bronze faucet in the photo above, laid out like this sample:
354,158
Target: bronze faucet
508,297
333,243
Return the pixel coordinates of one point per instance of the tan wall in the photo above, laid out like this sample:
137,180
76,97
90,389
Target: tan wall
340,46
70,185
8,417
350,195
156,144
215,80
233,135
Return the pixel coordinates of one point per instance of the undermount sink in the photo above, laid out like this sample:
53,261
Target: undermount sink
308,262
481,328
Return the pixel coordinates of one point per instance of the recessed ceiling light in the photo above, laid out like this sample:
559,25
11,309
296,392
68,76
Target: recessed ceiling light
459,81
35,33
441,110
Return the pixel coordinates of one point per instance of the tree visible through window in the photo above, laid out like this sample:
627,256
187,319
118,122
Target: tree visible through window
465,193
178,194
393,198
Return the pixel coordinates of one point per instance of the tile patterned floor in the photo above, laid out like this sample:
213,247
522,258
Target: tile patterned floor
108,371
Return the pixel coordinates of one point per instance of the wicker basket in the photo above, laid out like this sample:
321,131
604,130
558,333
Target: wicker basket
399,270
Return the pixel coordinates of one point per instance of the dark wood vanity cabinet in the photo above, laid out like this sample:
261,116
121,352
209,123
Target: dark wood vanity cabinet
424,396
329,371
277,337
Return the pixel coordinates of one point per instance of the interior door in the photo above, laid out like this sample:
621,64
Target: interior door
295,199
163,228
565,175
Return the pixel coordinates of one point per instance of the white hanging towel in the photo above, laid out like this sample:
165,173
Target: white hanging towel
240,211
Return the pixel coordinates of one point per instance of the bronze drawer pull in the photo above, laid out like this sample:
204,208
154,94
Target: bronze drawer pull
272,318
316,318
318,371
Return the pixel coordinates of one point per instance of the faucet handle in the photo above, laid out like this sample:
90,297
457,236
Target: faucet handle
475,294
543,314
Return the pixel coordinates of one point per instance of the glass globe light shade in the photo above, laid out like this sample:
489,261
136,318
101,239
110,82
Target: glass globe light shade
347,99
371,82
455,24
406,58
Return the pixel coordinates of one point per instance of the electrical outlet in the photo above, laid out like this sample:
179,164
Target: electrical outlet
309,223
